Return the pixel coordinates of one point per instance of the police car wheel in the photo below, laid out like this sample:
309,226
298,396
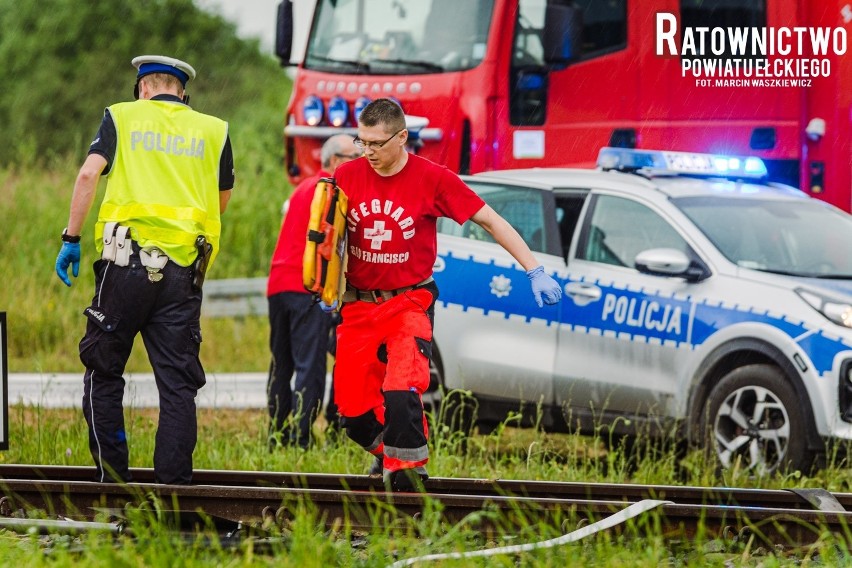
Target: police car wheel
754,422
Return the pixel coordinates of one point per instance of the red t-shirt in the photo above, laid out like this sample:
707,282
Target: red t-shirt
285,274
392,221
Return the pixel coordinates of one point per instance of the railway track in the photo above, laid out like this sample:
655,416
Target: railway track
245,498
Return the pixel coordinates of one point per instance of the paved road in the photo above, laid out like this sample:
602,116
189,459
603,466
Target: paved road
60,390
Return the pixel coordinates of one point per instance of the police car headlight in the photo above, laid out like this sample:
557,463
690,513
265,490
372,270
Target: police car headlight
838,311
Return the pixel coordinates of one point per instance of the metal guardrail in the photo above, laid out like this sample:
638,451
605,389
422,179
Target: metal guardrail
235,297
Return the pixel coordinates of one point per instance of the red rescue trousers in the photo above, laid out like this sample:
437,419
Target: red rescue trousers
380,374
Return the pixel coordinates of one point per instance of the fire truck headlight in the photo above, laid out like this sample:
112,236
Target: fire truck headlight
312,110
396,100
338,111
359,106
838,311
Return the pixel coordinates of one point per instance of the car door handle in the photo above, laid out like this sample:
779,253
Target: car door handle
583,293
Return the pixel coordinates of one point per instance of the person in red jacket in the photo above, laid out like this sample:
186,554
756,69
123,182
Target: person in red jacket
299,328
384,341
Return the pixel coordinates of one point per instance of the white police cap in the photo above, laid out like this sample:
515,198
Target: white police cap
147,64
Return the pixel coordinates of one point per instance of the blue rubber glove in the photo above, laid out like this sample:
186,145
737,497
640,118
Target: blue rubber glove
69,254
545,289
326,308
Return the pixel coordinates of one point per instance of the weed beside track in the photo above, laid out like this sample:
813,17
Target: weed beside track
236,439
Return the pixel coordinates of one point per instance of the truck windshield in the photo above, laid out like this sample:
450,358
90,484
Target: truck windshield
398,37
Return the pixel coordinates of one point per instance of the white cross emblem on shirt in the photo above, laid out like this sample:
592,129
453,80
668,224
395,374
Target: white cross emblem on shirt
377,234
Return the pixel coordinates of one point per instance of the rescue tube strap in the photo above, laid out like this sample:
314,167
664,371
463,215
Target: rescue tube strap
322,266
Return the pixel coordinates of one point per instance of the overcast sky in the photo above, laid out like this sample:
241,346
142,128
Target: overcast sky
256,18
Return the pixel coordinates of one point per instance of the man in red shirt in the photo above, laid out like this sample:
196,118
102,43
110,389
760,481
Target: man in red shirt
384,341
299,328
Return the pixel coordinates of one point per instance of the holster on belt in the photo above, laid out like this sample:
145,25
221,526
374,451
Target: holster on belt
117,247
199,267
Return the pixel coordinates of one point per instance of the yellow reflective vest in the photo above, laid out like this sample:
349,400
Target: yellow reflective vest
164,181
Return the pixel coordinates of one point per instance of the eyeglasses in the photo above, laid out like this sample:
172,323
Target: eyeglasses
348,156
374,145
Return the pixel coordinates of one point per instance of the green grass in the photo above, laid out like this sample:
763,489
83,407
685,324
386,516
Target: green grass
236,439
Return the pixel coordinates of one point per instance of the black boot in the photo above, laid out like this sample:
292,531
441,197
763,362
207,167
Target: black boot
278,438
407,481
377,467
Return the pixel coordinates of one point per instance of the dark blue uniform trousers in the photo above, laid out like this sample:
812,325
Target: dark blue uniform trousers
298,340
167,314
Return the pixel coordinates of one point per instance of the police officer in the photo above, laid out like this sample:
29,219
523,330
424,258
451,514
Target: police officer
169,173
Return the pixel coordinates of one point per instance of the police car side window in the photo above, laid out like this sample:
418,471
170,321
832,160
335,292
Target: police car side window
568,209
522,207
619,229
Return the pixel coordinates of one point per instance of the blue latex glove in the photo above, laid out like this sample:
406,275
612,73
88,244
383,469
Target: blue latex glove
545,289
326,308
69,254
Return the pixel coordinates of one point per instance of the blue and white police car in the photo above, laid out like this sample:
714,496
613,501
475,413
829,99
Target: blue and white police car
700,301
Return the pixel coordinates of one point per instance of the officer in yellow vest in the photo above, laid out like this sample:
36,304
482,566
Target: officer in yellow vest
169,172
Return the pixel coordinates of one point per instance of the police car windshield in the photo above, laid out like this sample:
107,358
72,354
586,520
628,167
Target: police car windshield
796,237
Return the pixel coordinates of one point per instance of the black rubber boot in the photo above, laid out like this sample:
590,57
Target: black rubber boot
377,467
407,481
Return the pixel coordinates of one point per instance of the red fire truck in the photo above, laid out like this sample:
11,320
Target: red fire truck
495,84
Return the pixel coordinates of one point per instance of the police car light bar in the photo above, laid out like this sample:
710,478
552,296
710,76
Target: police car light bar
690,163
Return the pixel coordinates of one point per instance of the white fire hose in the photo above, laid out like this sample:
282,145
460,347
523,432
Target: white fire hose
621,516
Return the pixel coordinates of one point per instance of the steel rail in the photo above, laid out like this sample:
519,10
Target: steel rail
365,510
729,496
364,505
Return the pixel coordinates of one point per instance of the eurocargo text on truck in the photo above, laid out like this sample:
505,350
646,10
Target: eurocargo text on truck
497,84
